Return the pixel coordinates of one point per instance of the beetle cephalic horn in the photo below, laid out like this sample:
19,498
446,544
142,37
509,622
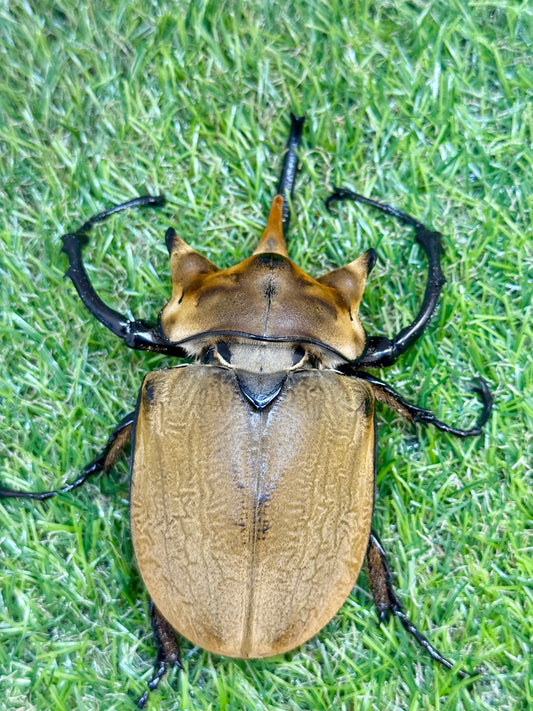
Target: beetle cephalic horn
272,239
186,264
350,280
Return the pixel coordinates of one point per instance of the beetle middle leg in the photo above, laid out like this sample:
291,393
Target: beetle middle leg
167,651
387,603
117,442
386,395
381,351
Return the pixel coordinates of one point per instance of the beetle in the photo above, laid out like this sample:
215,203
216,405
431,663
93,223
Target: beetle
253,467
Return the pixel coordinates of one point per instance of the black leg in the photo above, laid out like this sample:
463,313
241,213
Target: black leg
116,443
385,394
382,351
290,168
136,334
387,603
167,651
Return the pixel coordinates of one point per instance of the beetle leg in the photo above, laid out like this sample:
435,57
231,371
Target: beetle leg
385,394
167,651
381,351
115,445
136,334
387,603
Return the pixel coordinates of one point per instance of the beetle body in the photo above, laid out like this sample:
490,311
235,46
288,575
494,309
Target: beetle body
253,468
253,477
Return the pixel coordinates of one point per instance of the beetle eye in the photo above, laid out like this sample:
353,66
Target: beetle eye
297,354
207,357
224,351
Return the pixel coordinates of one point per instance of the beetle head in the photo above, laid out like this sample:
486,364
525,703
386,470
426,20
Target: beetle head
267,298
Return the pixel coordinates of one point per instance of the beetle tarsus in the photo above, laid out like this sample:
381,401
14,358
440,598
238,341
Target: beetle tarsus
424,642
426,417
153,684
381,351
103,462
388,604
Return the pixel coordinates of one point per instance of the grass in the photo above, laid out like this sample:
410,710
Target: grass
423,105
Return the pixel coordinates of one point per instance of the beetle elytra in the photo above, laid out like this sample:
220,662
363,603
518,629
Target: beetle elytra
253,468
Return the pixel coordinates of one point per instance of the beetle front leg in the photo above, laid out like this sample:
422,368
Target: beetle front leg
387,603
167,651
385,394
136,334
381,351
113,449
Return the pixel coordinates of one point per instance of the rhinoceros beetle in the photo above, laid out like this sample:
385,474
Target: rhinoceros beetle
253,467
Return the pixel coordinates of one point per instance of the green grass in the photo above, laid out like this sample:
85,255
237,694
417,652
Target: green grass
423,105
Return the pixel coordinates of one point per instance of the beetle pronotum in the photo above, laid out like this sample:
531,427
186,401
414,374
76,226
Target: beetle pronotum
262,451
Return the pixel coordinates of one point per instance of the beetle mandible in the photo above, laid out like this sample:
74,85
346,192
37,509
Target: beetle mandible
253,468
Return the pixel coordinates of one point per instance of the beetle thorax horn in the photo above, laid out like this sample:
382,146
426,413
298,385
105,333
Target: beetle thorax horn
272,240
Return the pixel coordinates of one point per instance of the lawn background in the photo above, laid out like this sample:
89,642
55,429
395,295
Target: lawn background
425,105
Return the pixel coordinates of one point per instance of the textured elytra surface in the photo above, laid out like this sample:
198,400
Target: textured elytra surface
250,527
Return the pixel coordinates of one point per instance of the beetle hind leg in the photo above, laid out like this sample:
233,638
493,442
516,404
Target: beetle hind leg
387,603
167,651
